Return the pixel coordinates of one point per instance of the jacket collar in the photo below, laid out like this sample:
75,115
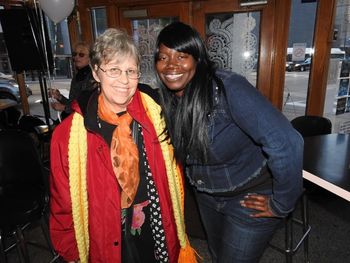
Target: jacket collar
82,73
87,106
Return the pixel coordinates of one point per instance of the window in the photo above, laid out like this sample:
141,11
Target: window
337,102
299,58
60,45
99,20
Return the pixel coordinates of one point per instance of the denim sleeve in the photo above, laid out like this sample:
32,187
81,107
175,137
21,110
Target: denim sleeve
280,142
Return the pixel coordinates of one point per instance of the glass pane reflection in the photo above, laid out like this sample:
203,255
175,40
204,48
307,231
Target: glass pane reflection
145,32
232,40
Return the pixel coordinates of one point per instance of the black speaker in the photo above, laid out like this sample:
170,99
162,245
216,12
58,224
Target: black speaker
24,42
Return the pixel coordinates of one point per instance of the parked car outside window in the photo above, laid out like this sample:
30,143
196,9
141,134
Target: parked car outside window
305,65
9,89
289,66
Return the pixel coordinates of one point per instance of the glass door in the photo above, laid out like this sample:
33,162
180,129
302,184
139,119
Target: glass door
244,40
144,33
239,39
144,24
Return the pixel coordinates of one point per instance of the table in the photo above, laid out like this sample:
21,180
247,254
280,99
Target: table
7,103
327,162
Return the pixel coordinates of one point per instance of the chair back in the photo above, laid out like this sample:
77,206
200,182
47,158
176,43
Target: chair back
21,171
29,122
312,125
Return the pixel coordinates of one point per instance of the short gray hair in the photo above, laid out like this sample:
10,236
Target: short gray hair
113,42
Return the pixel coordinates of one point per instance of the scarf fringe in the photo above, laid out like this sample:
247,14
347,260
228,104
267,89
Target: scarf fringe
188,254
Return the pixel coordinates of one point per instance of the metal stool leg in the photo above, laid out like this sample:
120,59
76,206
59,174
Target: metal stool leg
22,244
2,249
306,226
304,222
289,238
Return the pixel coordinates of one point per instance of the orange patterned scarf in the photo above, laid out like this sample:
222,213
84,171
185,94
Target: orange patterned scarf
124,153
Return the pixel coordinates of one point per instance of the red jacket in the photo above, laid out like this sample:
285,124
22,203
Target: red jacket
103,192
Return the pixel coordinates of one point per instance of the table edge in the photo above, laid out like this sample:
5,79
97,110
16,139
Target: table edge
327,185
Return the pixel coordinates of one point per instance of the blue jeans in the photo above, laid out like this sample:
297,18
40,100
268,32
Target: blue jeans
234,236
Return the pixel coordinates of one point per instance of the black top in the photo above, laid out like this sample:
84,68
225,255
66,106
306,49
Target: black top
82,81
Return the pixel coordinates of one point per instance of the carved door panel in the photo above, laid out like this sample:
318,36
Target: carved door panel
232,40
145,27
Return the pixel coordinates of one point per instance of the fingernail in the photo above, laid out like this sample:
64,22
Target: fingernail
242,203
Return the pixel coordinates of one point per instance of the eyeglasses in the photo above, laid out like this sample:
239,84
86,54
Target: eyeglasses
79,54
116,73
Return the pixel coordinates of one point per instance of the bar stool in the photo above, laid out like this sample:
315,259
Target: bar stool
291,246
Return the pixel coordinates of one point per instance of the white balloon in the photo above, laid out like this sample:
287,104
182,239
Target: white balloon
57,10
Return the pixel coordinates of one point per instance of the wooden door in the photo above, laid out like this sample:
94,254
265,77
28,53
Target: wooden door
249,40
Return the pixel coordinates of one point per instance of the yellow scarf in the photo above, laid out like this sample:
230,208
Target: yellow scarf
77,156
77,153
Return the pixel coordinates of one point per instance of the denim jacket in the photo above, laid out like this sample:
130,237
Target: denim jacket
246,132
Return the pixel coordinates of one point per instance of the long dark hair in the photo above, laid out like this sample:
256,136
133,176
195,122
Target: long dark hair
186,116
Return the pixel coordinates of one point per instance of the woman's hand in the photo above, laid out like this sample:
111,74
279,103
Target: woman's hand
58,106
259,203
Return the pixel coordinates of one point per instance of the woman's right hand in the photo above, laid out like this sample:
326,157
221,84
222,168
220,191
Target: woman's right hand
258,202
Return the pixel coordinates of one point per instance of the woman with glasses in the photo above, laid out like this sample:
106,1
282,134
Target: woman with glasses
81,81
116,190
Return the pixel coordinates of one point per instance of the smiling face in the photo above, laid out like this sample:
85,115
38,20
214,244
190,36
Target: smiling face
117,92
175,69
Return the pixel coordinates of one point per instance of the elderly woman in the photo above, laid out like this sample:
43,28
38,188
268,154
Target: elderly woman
116,191
82,80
